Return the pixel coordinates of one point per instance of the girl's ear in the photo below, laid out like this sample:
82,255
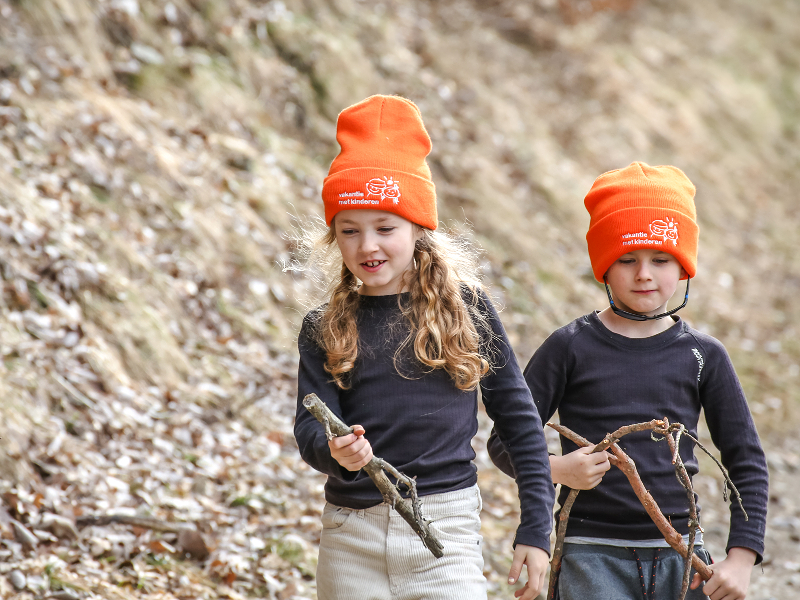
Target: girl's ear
418,232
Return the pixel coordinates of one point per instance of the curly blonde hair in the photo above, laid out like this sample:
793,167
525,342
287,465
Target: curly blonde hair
447,328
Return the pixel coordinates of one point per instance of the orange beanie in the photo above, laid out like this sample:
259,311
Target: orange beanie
382,162
641,207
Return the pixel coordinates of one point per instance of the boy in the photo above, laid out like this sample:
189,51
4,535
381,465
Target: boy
633,362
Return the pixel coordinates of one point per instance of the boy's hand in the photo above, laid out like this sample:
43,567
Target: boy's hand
731,577
537,561
352,451
581,469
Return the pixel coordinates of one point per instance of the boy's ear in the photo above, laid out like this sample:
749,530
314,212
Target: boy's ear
684,274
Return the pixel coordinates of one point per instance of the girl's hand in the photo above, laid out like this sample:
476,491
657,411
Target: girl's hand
581,469
352,451
537,560
731,576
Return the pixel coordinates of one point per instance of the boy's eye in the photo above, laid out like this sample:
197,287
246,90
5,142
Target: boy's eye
386,229
627,261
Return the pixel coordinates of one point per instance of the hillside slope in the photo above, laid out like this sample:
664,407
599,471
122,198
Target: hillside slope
153,156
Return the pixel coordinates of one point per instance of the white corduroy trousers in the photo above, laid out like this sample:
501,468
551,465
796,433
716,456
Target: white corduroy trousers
373,554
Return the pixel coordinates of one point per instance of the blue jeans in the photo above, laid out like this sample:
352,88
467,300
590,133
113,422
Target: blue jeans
590,572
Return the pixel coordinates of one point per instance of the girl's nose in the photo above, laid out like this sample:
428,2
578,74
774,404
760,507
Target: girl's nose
368,243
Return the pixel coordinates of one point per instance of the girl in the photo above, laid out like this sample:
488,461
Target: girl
401,348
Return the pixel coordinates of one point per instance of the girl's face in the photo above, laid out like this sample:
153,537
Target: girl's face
642,281
378,248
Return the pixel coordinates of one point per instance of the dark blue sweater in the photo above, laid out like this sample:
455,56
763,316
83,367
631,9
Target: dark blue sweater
599,381
421,423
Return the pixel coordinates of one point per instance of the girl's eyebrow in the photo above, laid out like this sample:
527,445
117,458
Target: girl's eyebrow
378,220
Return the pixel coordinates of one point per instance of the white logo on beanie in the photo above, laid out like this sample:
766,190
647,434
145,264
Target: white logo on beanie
666,230
385,187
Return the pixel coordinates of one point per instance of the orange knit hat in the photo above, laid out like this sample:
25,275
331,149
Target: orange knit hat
641,207
382,162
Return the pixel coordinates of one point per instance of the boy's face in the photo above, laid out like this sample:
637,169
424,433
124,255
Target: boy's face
642,281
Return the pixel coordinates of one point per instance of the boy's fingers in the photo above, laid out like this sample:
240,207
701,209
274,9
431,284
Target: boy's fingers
516,568
358,430
696,581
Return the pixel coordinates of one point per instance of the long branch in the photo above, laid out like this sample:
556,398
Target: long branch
628,467
566,508
409,509
686,482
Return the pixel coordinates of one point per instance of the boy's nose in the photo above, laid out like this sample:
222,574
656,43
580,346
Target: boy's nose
643,272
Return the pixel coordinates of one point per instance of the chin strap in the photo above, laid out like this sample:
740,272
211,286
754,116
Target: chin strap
641,317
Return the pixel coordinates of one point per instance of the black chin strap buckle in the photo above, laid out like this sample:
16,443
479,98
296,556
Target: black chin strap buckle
640,317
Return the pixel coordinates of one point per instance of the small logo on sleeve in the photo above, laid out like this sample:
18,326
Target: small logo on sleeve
700,361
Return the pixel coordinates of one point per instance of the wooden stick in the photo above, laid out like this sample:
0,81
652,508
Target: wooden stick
628,467
686,482
563,514
142,522
409,509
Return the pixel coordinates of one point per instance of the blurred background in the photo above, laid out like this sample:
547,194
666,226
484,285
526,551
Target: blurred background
154,155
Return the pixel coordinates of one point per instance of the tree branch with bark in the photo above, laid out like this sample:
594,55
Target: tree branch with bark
628,467
377,468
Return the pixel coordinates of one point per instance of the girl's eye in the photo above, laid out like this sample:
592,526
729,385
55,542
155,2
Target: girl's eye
386,229
661,261
626,261
348,231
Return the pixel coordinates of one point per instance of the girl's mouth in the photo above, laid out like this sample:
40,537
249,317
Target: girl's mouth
372,265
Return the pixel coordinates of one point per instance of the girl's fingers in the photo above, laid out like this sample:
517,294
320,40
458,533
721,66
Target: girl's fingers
358,430
342,441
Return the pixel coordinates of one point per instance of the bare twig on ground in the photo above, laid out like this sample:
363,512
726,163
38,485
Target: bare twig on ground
409,509
142,522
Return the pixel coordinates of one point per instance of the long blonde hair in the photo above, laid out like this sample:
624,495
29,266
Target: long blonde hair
448,330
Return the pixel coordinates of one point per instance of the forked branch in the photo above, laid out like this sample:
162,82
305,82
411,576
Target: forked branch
409,509
628,467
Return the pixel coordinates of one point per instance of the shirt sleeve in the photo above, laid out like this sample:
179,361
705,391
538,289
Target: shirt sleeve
312,378
518,427
734,433
546,378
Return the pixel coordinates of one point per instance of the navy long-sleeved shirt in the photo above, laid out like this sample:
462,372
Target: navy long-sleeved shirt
421,423
599,381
